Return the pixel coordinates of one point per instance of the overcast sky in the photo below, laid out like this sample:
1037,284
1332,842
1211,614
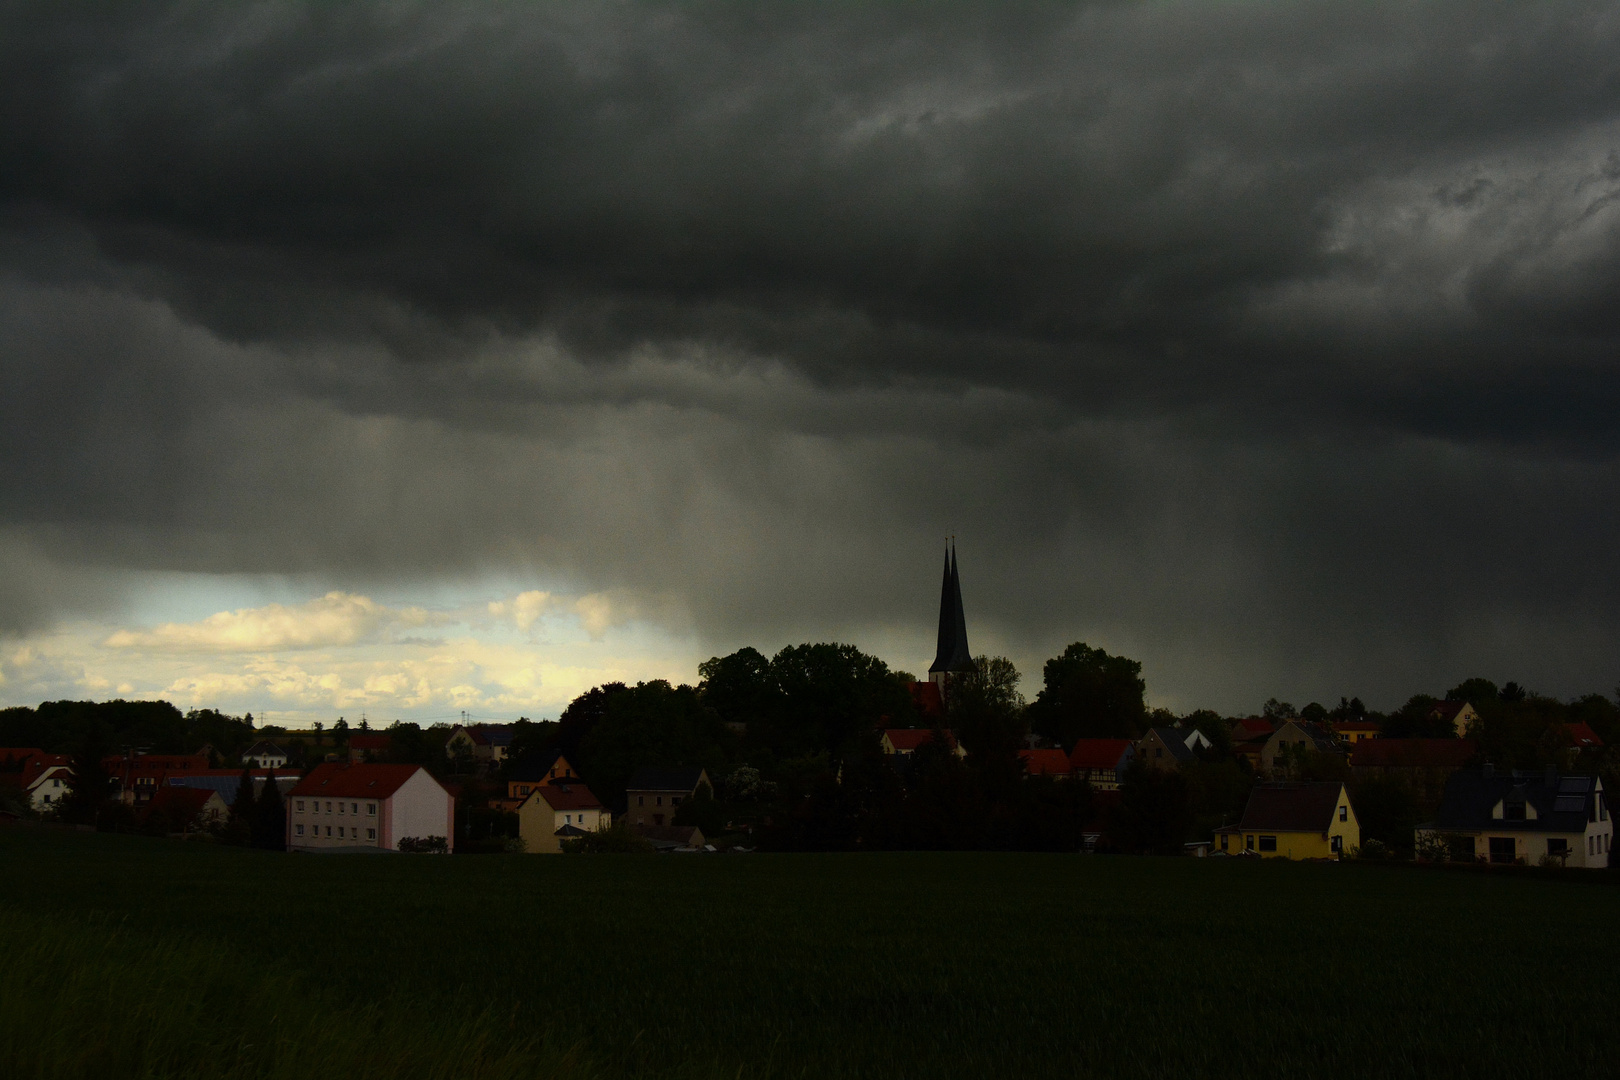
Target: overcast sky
408,359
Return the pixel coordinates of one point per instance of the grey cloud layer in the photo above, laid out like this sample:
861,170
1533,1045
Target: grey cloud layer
1274,343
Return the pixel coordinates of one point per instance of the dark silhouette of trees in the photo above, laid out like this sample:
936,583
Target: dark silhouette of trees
90,788
1154,814
1089,694
269,817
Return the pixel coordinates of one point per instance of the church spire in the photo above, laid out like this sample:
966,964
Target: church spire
953,653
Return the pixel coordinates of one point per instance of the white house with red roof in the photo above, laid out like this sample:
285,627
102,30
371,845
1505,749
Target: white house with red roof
343,806
906,741
47,779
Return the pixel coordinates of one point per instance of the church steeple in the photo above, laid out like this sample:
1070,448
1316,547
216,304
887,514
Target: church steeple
953,653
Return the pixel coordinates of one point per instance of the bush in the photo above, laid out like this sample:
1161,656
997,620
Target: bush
1373,849
616,839
424,845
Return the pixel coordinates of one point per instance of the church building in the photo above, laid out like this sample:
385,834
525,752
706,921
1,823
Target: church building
953,655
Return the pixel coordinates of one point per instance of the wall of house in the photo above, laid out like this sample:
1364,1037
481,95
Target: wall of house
1155,754
420,808
350,822
537,827
653,807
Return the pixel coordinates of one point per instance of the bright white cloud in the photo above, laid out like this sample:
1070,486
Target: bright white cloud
335,620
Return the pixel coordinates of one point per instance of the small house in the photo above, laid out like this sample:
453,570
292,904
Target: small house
653,794
1165,748
554,812
1520,817
1101,762
1294,821
1294,737
265,754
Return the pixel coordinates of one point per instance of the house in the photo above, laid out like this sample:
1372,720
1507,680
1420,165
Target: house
1424,764
1054,763
1459,714
1165,748
1249,737
1294,821
342,806
369,746
1582,737
672,837
905,741
550,768
1523,817
652,794
1350,732
226,781
553,812
486,743
47,780
1101,762
1291,738
265,755
136,777
186,809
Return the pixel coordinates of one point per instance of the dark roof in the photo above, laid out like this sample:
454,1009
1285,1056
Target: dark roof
569,831
1414,753
1291,807
683,778
953,653
676,835
264,746
1562,803
566,797
1176,740
535,770
1447,710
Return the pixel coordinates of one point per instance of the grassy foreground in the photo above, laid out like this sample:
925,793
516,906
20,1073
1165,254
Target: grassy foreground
129,957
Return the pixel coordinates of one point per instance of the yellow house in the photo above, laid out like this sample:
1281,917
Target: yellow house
554,812
1294,821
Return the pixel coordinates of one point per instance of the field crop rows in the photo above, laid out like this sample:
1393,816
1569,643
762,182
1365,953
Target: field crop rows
153,958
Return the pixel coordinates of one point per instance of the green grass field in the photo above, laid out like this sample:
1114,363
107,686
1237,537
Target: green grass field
151,958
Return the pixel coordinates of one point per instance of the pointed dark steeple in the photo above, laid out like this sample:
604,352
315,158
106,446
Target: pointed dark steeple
953,653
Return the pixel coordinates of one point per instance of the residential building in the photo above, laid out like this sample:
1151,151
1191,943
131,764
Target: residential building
1294,737
1249,736
1582,737
486,743
905,741
550,768
1350,732
136,777
46,780
1054,763
265,755
1459,714
553,812
343,806
1519,817
369,746
1294,821
1166,748
187,809
1101,762
653,794
1424,764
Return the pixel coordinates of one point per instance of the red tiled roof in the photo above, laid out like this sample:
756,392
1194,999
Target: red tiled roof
355,781
925,695
1582,735
1045,762
1292,807
903,739
1098,753
1252,726
41,765
18,754
567,797
1414,753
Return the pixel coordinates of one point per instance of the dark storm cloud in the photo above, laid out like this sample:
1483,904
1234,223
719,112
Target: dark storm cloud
1273,341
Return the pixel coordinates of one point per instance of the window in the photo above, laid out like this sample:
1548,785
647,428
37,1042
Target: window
329,828
371,834
300,806
1589,849
340,831
340,808
1223,841
371,809
568,819
1557,846
354,808
1268,843
676,801
660,800
1344,813
1336,845
1248,843
328,808
640,801
1502,849
299,829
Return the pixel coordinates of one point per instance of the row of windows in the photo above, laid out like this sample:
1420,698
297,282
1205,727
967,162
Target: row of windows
343,832
352,808
674,800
